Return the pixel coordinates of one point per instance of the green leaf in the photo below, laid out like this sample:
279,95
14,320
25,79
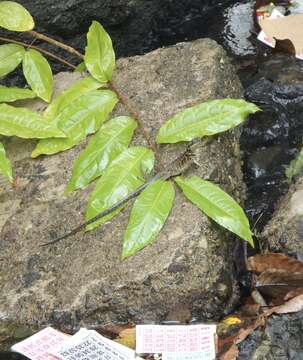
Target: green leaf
11,56
81,117
148,216
216,204
38,74
124,175
69,96
208,118
11,94
26,124
113,138
15,17
5,165
295,167
99,53
80,67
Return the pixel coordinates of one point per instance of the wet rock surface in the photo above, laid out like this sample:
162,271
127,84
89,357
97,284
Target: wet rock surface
82,280
281,339
285,230
136,26
273,137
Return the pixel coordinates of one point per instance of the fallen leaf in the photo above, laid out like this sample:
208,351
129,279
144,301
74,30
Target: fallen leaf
127,338
272,261
291,306
293,293
112,330
277,283
232,320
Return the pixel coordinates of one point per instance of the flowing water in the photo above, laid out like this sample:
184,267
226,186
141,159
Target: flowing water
270,139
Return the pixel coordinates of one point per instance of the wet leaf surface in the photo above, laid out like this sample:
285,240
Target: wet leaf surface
11,94
26,124
206,119
15,17
216,204
38,74
148,216
124,175
99,54
80,118
113,138
11,56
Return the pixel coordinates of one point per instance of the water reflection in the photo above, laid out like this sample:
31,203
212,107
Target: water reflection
237,29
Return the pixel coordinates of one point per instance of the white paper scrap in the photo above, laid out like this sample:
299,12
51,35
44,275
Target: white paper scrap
37,346
263,37
90,345
188,356
171,340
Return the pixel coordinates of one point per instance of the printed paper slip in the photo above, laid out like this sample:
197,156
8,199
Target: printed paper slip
188,356
38,345
176,339
89,345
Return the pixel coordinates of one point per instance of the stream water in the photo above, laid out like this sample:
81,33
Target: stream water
273,80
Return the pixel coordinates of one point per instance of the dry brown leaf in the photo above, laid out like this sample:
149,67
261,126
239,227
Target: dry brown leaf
277,283
112,330
291,306
293,293
272,261
127,338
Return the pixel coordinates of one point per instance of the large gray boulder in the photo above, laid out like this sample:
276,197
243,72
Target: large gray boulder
83,278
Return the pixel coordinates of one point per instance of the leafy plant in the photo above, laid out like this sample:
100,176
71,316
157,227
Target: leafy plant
120,170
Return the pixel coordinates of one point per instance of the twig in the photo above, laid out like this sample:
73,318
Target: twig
57,43
176,167
126,102
22,43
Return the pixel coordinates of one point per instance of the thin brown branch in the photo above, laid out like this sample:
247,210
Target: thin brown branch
132,111
47,53
59,44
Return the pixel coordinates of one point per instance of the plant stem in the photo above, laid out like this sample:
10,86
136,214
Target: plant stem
126,102
47,53
57,43
123,99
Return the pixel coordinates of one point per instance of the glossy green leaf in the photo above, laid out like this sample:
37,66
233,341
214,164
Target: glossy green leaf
69,97
11,94
11,56
5,164
208,118
216,204
113,138
295,167
80,118
122,176
99,53
80,67
38,74
26,124
15,17
148,216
